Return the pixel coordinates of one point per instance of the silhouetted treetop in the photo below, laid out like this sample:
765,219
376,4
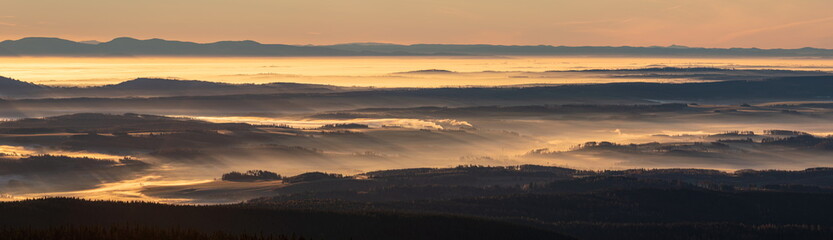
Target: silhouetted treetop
251,176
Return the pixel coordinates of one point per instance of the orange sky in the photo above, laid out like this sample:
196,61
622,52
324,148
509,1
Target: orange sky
703,23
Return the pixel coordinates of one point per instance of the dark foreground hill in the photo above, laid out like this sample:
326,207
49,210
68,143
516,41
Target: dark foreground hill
129,232
635,214
632,204
33,217
472,202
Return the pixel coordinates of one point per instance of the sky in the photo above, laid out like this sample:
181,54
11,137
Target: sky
696,23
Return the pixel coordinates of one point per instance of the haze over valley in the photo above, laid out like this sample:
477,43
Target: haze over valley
416,120
158,132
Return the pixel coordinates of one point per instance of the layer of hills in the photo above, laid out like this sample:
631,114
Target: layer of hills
176,97
156,87
124,46
197,144
719,84
465,202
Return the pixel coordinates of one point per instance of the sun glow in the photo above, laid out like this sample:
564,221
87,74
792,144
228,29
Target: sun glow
367,71
127,190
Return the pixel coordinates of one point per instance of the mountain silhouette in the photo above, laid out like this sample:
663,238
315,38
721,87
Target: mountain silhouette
158,87
169,84
5,52
12,87
125,46
9,83
542,50
158,47
47,46
427,71
196,87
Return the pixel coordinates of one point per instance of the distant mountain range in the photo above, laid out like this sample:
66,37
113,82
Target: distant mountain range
124,46
157,47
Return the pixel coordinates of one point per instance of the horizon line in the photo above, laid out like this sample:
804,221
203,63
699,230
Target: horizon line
411,44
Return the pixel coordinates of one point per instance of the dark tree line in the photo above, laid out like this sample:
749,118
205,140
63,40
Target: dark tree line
251,176
128,232
74,218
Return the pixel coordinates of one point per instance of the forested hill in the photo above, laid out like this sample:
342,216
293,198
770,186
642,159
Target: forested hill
33,218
